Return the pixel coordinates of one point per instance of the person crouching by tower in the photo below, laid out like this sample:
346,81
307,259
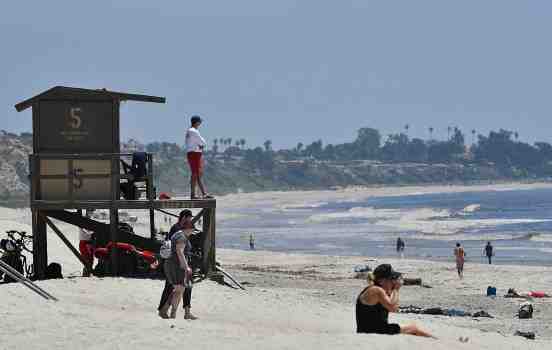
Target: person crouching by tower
86,247
194,148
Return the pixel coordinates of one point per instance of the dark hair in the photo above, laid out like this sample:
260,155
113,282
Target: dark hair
458,244
184,214
195,119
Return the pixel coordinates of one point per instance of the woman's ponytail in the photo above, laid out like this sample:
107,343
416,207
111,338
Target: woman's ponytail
371,279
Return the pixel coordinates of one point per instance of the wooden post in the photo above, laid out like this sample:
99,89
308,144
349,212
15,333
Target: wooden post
40,245
152,224
150,193
114,212
209,256
114,230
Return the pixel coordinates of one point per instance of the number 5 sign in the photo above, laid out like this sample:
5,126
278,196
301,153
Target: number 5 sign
75,120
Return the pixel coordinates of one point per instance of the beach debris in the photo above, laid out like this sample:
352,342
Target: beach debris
527,335
463,339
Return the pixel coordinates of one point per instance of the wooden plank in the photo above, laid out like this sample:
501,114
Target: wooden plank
125,204
67,243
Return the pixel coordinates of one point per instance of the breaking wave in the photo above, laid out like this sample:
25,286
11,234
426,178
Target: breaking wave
472,208
426,221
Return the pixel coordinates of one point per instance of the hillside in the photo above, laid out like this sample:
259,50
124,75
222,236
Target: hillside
257,170
14,165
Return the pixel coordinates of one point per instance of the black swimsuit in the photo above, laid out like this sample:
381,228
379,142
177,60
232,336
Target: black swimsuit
374,318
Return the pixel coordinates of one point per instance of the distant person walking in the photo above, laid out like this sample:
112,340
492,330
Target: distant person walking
489,252
460,256
400,247
194,148
251,242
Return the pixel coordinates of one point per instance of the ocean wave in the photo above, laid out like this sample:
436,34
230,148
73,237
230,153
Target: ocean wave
537,237
429,221
368,213
232,216
303,206
484,237
472,208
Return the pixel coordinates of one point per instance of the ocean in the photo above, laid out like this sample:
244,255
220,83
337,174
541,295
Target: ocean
517,222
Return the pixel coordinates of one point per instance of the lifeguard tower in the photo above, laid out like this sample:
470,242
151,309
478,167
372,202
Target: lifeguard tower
76,164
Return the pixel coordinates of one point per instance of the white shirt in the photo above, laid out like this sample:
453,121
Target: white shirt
194,141
85,235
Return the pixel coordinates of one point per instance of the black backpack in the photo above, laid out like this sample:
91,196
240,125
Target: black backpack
525,311
53,271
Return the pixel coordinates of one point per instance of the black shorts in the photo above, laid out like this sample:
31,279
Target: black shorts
390,329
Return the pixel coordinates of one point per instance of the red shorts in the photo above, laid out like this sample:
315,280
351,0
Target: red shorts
87,251
194,160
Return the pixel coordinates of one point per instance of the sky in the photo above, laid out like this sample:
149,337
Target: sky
289,71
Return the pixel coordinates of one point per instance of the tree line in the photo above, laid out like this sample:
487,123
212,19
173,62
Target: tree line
499,148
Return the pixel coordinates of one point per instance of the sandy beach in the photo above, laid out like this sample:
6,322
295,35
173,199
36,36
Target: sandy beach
292,301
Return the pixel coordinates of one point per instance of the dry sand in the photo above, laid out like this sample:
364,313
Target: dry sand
292,301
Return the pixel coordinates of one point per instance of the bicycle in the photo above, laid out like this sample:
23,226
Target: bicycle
13,250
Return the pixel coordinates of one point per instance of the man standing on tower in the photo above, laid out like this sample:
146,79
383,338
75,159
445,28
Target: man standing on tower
194,148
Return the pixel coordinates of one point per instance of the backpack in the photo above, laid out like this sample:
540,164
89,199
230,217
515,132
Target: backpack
53,271
525,311
491,291
165,250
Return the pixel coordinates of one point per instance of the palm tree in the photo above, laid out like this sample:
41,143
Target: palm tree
406,127
242,143
237,143
299,147
449,129
215,145
473,136
431,133
516,135
221,141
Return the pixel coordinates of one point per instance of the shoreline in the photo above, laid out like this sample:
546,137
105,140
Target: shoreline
443,260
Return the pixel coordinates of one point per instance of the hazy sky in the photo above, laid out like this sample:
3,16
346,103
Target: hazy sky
287,70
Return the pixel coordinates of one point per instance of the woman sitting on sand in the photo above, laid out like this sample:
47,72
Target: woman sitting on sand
378,299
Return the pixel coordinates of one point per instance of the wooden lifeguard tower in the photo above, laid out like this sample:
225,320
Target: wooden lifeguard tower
76,165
